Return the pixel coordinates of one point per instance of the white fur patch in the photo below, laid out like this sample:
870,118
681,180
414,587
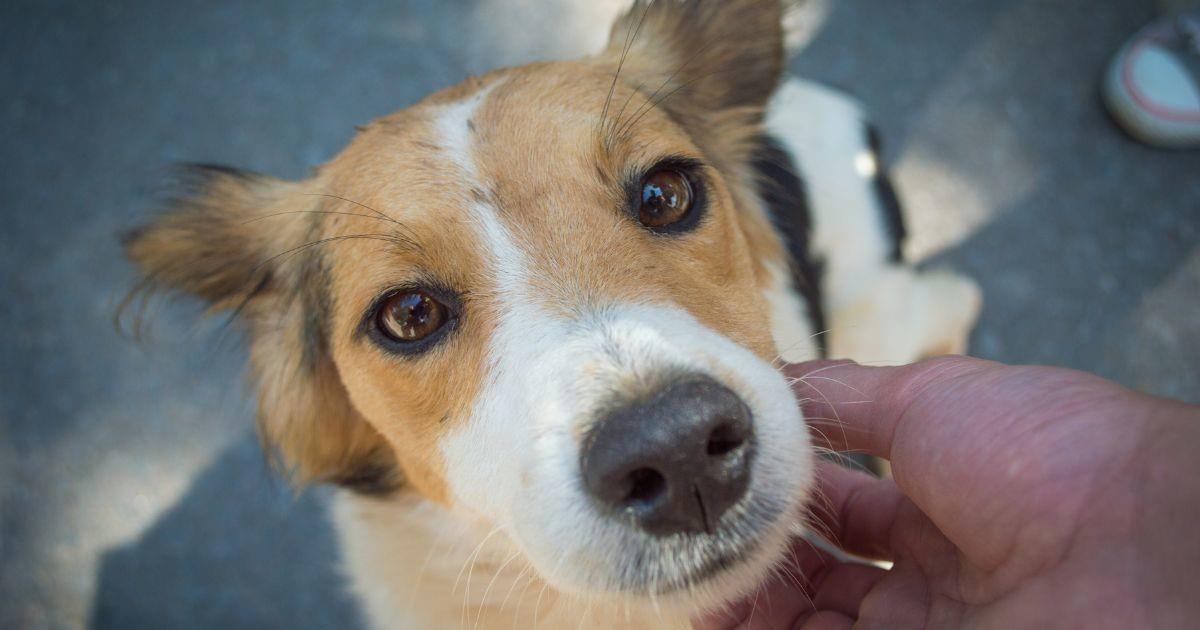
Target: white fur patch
823,131
515,463
877,311
454,127
517,459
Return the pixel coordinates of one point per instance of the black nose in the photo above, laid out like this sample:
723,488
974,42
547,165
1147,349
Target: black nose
675,461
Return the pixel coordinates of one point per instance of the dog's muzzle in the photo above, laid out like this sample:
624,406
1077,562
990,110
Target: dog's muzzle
674,461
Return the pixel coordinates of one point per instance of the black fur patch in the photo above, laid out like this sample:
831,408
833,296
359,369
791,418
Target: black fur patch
208,170
885,194
313,294
372,479
786,198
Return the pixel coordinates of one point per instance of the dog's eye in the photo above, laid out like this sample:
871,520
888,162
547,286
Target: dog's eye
666,198
411,316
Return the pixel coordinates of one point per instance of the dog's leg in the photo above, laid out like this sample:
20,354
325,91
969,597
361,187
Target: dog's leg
903,315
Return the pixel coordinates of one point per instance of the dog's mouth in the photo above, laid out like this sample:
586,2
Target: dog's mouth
675,570
677,567
709,570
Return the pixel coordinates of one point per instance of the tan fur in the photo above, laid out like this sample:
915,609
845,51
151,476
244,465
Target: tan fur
552,145
557,190
558,200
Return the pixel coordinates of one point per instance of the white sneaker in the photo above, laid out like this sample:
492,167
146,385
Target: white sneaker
1153,85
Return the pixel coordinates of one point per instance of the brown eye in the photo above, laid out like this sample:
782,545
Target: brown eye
411,316
666,198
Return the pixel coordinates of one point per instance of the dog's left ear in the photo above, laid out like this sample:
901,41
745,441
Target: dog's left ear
700,56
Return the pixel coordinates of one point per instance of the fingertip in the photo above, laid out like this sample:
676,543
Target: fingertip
858,408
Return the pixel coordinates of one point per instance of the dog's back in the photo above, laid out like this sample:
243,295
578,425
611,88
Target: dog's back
844,225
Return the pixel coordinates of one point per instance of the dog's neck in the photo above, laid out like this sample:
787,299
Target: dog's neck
415,564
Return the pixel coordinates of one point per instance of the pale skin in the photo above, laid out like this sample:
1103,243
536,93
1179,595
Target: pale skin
1023,497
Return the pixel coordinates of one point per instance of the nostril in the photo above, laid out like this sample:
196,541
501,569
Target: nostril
646,485
724,440
675,461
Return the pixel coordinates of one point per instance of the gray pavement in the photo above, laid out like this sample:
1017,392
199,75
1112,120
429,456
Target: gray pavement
131,491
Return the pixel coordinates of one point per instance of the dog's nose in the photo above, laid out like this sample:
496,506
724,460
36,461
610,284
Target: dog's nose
675,461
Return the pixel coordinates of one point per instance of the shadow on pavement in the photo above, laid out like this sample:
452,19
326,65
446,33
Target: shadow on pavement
237,551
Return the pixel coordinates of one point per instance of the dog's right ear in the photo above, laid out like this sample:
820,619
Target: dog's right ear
700,56
243,242
711,65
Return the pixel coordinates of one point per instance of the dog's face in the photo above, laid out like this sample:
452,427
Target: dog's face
536,297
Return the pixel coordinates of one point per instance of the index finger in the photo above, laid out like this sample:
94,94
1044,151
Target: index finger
858,408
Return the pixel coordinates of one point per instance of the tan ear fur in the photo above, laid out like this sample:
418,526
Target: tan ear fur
240,241
700,57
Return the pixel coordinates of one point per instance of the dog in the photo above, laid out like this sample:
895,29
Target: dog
532,325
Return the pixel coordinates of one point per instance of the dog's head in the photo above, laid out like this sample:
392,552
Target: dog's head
537,296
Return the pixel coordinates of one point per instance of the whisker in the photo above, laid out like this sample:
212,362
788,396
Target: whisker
332,239
471,560
753,609
629,40
425,565
822,369
821,529
521,600
822,420
821,501
583,617
359,204
799,580
488,589
349,214
637,90
525,570
845,438
472,555
537,606
629,126
834,380
662,85
779,357
823,436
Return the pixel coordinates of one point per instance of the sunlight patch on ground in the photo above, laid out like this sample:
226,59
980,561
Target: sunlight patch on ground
963,163
943,207
111,501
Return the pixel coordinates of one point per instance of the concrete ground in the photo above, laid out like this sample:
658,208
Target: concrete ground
131,490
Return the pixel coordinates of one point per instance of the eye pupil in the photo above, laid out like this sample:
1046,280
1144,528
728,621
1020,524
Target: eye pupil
411,316
656,197
666,198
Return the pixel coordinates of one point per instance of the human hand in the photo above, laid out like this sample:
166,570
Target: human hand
1021,497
